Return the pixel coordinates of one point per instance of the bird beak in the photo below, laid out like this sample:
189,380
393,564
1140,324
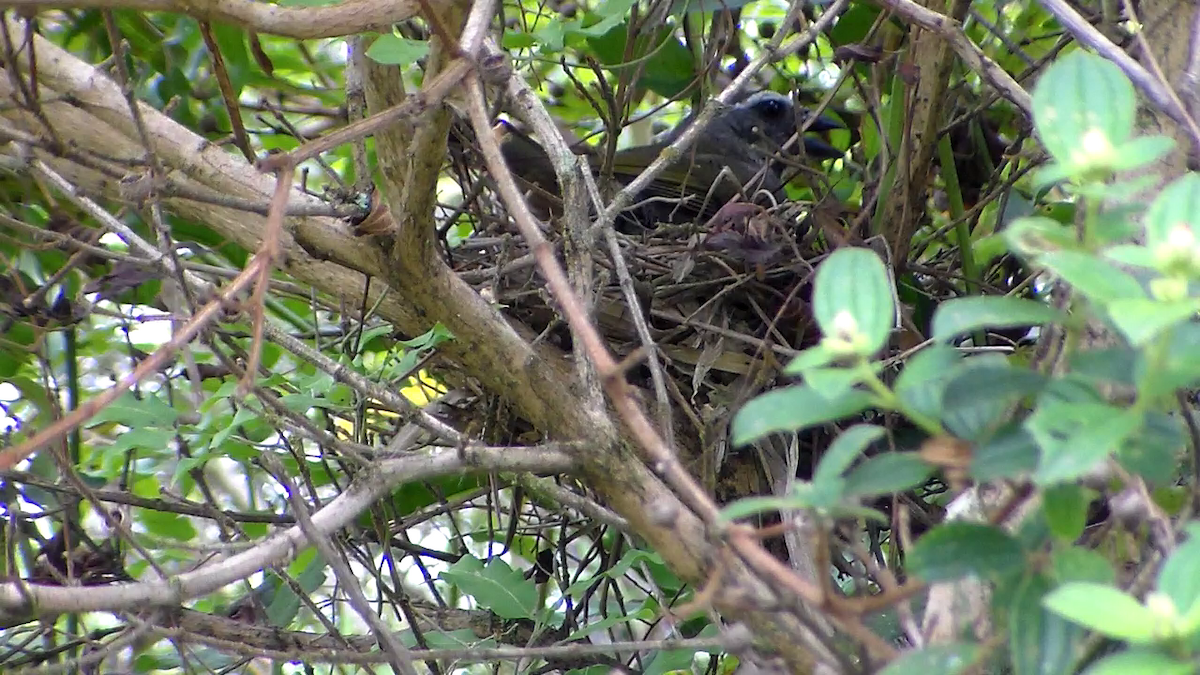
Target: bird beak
824,123
815,147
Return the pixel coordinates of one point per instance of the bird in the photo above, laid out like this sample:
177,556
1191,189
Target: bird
738,154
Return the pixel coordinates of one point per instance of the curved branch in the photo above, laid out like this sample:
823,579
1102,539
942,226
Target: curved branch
17,599
346,18
90,110
1157,90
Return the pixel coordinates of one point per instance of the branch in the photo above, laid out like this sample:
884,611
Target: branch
660,519
270,642
17,598
1156,89
89,110
923,110
398,656
951,31
346,18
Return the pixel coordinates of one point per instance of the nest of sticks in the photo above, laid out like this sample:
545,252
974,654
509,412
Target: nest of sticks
724,302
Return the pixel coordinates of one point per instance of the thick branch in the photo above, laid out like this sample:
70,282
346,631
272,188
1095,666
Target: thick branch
930,59
347,18
538,382
949,28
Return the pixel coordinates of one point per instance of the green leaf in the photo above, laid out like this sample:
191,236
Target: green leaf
1065,508
633,557
517,40
671,661
1083,108
1176,206
393,50
1117,225
369,336
845,449
414,496
1106,610
982,394
153,441
833,382
148,411
1112,365
185,466
1140,662
1075,437
1010,453
1093,276
231,40
551,36
1140,321
957,550
853,299
816,356
1076,563
244,414
703,6
669,68
1040,643
1140,151
1178,578
790,409
1033,236
854,24
166,524
924,378
604,624
300,403
825,497
946,659
964,315
752,506
282,602
887,473
430,338
1180,366
1131,255
1153,453
495,586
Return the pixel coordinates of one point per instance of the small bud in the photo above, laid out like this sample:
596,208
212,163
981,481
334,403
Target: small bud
1162,606
844,325
1169,289
1095,149
1181,236
845,338
1179,254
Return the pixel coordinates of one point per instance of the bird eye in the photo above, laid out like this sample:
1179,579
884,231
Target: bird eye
772,107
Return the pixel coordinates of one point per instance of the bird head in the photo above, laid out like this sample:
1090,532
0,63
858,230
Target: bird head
766,120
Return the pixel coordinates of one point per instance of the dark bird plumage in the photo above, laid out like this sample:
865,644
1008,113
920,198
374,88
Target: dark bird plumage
744,141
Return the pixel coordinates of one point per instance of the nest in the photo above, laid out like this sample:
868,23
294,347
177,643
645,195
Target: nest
724,301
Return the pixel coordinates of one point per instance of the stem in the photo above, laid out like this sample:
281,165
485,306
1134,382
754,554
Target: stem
889,401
